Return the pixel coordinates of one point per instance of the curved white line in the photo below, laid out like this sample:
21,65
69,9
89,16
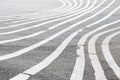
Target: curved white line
107,54
60,12
78,71
53,13
90,16
46,22
61,7
93,55
83,40
64,8
86,36
20,38
47,61
22,51
23,29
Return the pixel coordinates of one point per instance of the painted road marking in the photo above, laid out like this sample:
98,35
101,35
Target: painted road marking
47,61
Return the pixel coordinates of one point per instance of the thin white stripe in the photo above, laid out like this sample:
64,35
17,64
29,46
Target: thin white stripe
21,24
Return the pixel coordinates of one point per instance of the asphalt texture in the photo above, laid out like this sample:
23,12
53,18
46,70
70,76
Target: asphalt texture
69,43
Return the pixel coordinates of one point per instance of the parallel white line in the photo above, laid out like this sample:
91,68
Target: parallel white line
86,36
82,60
90,16
16,25
21,38
93,55
107,54
77,69
94,59
47,61
72,7
27,28
27,49
91,44
59,13
84,10
64,2
83,40
104,18
57,10
22,24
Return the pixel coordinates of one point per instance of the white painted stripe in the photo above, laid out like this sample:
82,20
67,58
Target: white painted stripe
21,77
107,54
21,38
99,72
47,61
85,37
78,71
93,55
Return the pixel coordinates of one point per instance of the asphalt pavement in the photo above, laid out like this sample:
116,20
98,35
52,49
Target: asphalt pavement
79,40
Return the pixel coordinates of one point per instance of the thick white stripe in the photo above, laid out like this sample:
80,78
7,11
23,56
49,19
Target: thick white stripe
21,77
107,54
99,73
47,61
93,56
83,40
78,71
